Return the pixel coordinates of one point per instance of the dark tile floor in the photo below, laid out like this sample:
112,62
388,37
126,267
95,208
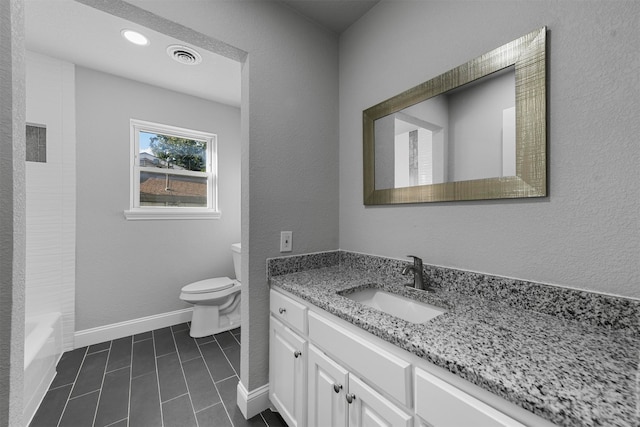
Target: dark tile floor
158,378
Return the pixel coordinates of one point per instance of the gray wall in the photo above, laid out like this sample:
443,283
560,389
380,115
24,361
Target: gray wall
12,210
289,142
586,234
384,130
131,269
475,128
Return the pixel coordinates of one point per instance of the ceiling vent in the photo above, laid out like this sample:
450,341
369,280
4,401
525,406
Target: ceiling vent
184,55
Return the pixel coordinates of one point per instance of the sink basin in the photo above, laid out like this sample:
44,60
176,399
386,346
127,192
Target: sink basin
396,305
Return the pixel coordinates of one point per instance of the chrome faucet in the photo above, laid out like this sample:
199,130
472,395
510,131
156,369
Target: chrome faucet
418,278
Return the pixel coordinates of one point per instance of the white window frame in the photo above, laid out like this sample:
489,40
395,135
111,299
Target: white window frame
135,211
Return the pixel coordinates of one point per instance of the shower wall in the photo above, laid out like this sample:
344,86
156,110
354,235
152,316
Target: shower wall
51,192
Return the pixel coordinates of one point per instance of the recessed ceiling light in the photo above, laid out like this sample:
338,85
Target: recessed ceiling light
135,37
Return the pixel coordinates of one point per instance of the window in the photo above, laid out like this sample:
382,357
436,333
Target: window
173,173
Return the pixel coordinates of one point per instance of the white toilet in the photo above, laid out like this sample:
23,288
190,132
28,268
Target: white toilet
216,302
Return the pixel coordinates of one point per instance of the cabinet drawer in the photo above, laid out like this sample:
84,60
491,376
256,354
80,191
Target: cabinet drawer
442,405
382,369
289,311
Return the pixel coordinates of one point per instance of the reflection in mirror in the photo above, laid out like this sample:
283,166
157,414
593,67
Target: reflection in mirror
464,134
477,131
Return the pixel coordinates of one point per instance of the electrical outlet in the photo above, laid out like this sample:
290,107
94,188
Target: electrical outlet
286,241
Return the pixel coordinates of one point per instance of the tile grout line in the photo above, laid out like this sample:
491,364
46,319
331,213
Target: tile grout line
224,379
116,422
264,420
72,387
83,394
213,381
60,386
173,337
117,369
195,415
236,338
104,371
130,381
155,362
211,406
174,398
228,360
155,354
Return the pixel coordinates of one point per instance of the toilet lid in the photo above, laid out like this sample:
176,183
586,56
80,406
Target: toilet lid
208,285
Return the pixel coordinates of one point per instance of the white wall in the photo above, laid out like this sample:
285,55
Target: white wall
132,269
51,194
586,234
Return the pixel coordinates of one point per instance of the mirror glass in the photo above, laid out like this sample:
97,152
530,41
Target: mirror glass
475,132
466,133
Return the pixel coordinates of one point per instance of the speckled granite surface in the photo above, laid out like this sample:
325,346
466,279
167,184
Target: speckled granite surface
547,357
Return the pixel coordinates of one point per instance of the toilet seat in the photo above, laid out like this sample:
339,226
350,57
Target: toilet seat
210,291
215,284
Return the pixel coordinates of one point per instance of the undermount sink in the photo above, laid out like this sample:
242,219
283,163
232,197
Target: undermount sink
396,305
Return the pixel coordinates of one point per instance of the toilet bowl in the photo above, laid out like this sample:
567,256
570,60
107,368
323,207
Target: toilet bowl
216,301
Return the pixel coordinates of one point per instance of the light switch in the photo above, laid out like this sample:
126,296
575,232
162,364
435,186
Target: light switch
286,241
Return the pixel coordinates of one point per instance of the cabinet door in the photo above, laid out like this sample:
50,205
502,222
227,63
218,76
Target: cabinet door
382,369
369,409
287,375
328,383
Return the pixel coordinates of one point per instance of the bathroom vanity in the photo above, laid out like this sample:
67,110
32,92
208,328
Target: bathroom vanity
480,361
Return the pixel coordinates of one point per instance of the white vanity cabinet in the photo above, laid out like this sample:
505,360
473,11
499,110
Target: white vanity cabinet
364,405
288,359
338,398
439,404
325,372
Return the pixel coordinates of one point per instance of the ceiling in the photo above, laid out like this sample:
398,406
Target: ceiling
87,37
335,15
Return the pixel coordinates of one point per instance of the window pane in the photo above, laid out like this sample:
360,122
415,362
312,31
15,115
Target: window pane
166,189
164,151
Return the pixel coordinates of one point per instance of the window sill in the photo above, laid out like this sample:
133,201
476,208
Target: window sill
170,213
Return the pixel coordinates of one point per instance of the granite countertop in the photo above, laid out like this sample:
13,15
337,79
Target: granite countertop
567,372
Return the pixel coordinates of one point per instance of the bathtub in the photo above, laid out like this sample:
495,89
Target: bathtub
42,350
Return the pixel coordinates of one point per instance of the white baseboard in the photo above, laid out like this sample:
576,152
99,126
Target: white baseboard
252,402
130,327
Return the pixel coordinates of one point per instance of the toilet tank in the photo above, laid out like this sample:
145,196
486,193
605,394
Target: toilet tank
237,260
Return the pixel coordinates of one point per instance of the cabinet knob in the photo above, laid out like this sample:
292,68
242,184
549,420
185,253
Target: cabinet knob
297,354
282,310
337,388
350,398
